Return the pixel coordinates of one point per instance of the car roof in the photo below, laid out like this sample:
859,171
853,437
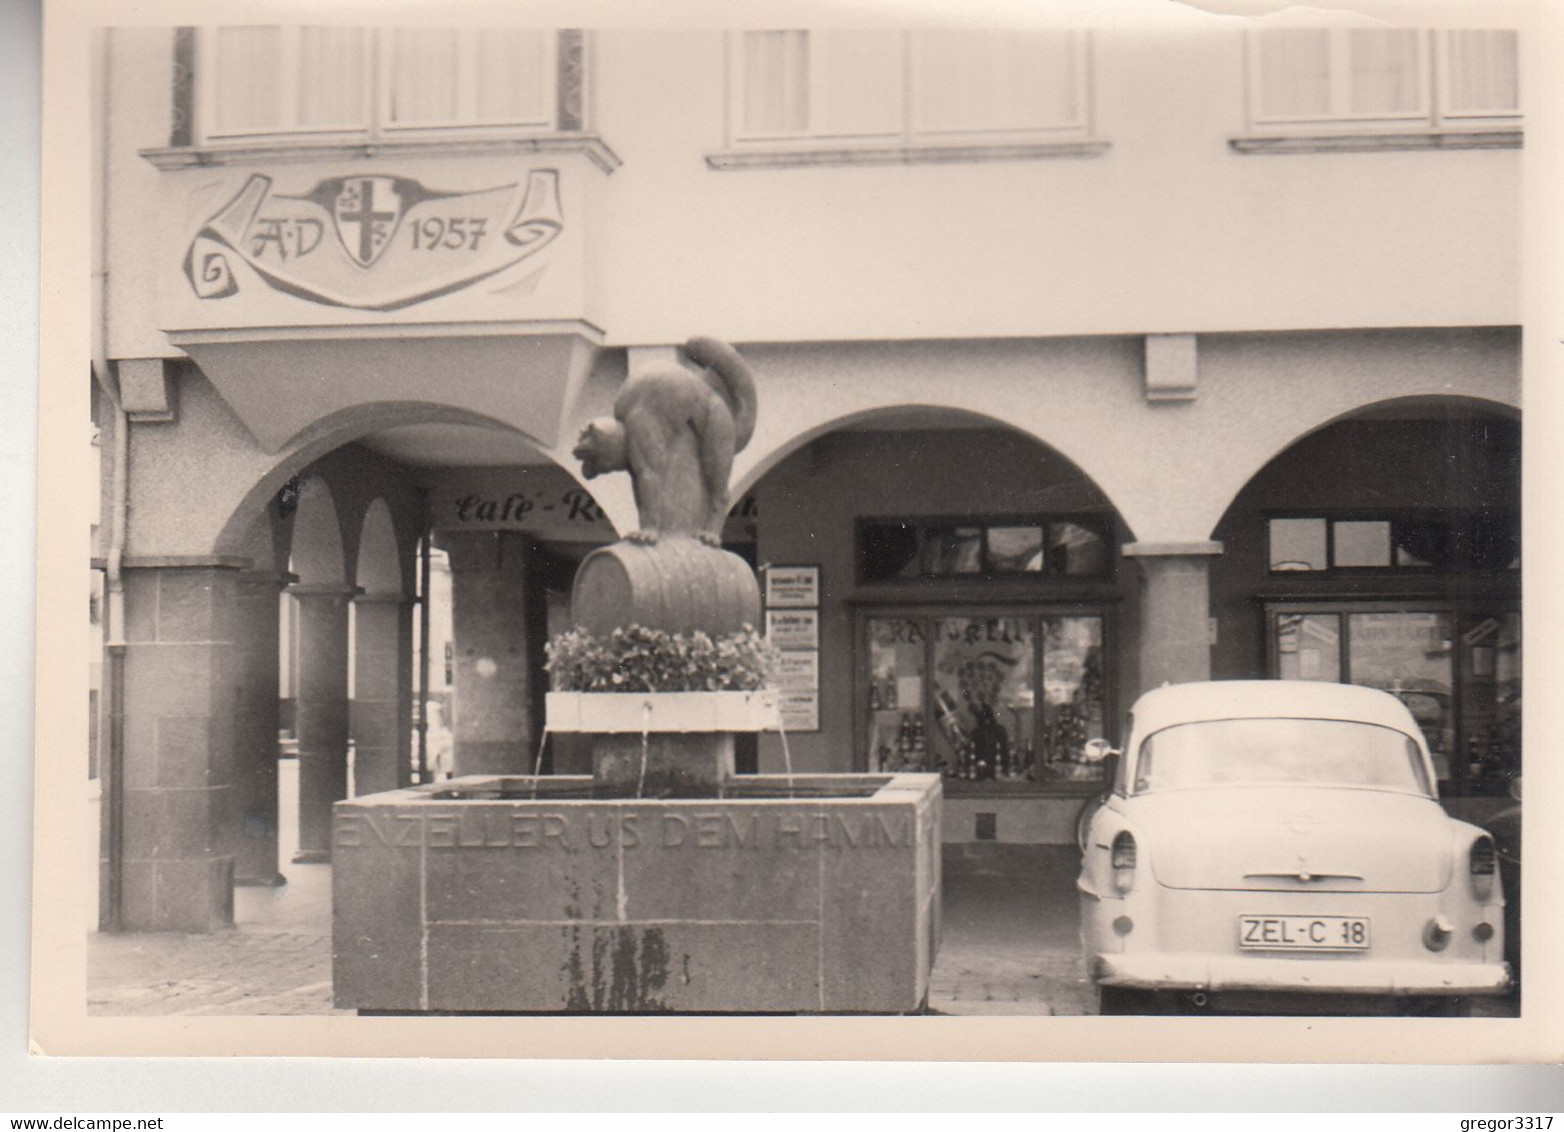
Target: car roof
1270,699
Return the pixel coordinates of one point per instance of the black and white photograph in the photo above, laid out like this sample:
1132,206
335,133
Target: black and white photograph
993,529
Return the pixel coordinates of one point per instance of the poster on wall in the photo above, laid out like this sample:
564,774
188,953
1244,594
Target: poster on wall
799,671
793,587
793,629
799,711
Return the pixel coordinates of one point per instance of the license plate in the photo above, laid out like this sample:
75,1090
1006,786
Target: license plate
1304,933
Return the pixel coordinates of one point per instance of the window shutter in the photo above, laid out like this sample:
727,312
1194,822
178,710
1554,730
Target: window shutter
1481,72
977,80
424,76
1385,68
1293,73
856,80
511,66
247,94
331,77
776,82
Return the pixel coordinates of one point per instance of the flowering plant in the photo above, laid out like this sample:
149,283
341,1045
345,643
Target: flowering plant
638,659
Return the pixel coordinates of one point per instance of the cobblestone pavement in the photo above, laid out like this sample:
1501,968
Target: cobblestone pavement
276,961
1011,943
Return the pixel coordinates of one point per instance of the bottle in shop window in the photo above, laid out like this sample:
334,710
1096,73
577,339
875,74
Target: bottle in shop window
888,697
874,694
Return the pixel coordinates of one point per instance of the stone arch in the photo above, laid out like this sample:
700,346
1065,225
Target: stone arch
331,433
755,469
378,567
316,554
1242,475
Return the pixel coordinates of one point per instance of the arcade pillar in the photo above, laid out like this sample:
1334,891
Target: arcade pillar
168,846
322,719
256,721
1175,635
382,713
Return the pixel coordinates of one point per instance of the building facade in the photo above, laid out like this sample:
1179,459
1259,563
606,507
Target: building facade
1088,361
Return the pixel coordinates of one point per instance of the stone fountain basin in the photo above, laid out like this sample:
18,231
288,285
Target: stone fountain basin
815,894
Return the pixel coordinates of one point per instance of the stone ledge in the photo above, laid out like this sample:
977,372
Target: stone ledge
295,150
176,562
1376,141
803,155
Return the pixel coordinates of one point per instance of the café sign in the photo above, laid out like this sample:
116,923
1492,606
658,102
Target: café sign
371,242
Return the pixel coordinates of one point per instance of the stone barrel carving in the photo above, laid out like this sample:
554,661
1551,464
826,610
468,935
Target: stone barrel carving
679,585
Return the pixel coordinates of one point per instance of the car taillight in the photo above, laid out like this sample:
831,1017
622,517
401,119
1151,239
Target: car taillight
1123,861
1484,863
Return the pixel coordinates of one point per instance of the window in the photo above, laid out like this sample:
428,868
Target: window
347,82
839,87
1384,78
894,549
1482,541
1457,669
1000,696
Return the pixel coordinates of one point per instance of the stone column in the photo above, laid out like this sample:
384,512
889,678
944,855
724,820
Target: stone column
322,719
255,733
1175,634
168,849
498,629
382,713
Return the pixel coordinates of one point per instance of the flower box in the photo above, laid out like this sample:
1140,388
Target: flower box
609,713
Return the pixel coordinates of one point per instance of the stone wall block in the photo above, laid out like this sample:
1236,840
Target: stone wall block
377,918
633,968
194,605
141,601
873,885
197,892
174,679
140,756
715,858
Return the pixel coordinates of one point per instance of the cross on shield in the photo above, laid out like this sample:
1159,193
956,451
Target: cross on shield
367,211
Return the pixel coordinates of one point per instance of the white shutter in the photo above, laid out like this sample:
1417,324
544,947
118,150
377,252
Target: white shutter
1481,73
856,84
975,81
423,72
775,98
511,68
1292,74
1385,69
244,74
332,71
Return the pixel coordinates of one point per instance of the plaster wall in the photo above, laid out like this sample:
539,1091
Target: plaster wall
1169,230
1170,469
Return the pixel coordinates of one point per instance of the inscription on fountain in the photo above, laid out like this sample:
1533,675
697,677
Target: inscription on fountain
567,831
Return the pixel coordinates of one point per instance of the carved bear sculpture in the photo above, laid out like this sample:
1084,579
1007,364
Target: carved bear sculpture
675,432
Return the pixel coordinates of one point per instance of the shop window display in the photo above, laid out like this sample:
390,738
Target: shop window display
994,697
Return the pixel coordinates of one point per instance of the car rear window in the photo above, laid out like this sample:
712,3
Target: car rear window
1260,752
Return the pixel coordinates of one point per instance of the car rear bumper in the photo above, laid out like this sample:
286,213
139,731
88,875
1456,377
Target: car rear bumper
1173,971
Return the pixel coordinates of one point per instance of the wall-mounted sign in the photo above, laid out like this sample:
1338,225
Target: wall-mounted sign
799,711
543,500
793,587
376,242
793,628
798,671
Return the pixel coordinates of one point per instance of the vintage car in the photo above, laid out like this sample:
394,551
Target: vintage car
1276,847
